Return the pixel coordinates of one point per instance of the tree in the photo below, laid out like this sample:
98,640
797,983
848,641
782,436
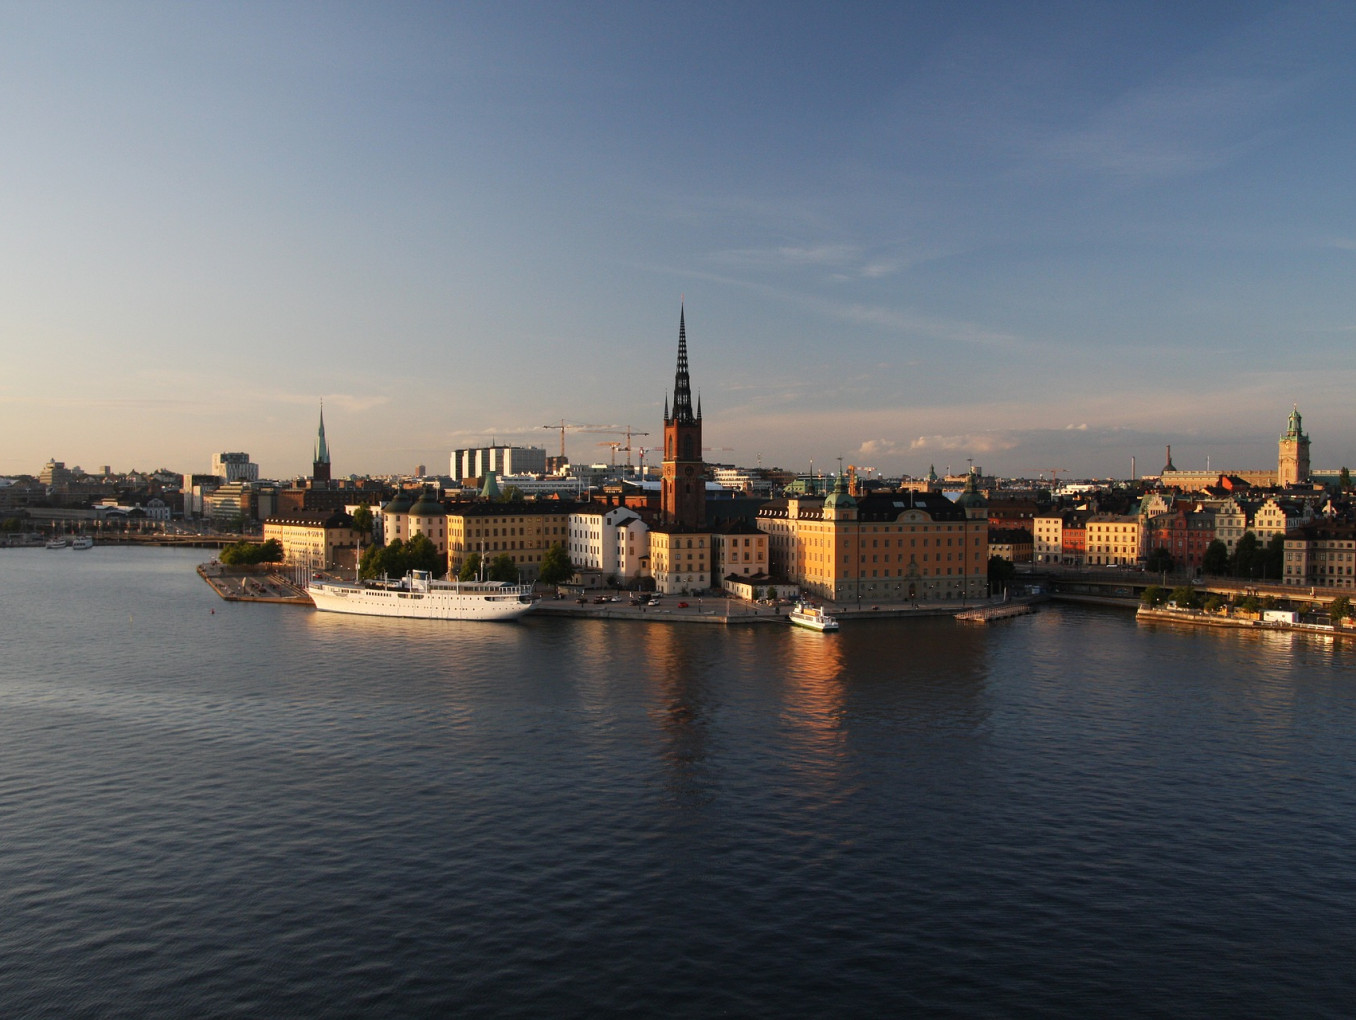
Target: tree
1273,557
1184,596
556,567
1001,573
1250,604
1213,604
1338,609
239,554
1216,559
1344,479
1159,561
422,554
362,520
1246,561
470,568
502,568
1153,596
510,494
756,595
373,562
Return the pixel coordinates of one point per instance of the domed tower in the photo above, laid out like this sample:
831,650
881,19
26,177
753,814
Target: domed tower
428,517
976,507
1293,463
839,504
682,498
394,518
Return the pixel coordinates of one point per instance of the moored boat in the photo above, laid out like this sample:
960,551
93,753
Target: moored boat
56,543
803,614
418,595
83,542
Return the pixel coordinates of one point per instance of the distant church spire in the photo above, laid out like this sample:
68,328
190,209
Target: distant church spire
320,466
682,386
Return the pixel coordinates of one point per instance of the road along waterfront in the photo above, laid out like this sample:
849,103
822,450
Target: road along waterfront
265,812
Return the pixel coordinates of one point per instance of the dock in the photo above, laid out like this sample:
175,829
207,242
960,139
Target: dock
984,614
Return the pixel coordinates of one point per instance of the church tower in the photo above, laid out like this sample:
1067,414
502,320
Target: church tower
320,467
682,499
1293,464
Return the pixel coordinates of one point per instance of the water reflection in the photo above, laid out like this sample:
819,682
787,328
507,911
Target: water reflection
682,712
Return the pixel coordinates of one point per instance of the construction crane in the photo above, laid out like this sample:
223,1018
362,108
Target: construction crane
615,447
629,432
854,488
1054,476
563,425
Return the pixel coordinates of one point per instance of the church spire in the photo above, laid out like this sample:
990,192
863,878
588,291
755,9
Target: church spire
322,449
682,386
320,466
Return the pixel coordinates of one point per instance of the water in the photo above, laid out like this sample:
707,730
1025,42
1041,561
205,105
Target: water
213,808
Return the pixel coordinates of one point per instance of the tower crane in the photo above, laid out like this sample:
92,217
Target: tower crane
563,425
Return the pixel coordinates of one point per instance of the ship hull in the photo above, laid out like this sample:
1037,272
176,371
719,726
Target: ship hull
447,601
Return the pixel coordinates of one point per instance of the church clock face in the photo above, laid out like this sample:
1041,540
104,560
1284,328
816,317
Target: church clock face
688,470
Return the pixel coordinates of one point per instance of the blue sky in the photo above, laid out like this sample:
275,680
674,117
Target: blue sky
906,234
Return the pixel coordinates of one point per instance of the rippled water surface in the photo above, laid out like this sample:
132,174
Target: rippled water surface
212,808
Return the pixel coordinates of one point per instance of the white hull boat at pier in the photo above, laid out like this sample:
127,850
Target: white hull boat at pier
811,617
419,596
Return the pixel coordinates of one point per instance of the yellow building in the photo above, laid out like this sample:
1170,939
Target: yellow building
680,559
740,552
885,547
1114,540
522,531
315,539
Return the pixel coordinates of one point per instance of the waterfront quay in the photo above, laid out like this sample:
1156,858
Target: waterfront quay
259,584
252,584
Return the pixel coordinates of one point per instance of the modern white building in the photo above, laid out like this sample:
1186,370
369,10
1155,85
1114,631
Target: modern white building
235,467
502,460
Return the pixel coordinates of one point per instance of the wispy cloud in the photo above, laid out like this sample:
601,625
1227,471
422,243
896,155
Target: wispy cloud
982,443
1174,128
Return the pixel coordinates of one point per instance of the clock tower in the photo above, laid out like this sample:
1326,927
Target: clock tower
683,495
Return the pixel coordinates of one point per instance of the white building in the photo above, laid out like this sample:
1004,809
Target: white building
593,538
502,460
235,467
633,550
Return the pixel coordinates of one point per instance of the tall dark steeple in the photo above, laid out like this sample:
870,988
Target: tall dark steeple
320,466
683,493
682,385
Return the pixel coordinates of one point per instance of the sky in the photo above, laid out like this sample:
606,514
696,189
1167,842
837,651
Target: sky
1035,237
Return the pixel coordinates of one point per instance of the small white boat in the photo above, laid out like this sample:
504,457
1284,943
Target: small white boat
83,542
811,617
56,543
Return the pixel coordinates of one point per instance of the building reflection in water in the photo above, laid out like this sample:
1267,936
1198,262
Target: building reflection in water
681,681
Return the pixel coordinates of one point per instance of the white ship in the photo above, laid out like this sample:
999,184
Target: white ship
813,617
83,542
417,594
